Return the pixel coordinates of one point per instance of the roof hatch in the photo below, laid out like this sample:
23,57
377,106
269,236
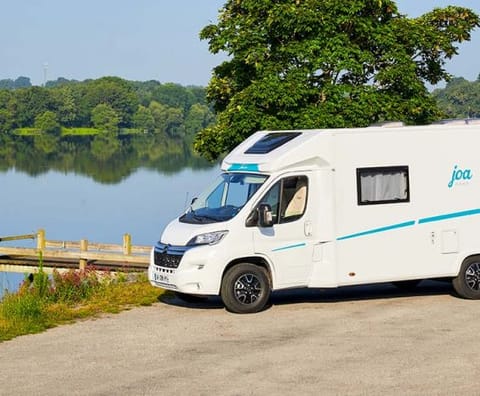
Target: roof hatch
271,141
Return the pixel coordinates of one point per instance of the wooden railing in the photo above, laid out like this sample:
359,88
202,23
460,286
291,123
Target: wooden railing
83,251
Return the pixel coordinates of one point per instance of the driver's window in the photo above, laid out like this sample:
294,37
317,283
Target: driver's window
272,197
288,199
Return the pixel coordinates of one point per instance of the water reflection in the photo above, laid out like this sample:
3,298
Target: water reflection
106,158
97,188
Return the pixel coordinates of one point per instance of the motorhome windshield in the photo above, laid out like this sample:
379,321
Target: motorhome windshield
224,199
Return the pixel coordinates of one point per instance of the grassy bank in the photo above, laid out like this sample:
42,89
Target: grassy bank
47,301
76,131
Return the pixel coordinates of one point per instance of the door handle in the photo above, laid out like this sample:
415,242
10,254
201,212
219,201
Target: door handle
308,228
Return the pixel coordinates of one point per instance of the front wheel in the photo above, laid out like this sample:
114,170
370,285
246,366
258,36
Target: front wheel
245,288
467,283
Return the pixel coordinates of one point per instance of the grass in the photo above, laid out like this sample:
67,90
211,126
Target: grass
83,131
51,301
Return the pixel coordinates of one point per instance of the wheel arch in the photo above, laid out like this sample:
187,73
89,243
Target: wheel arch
461,259
257,260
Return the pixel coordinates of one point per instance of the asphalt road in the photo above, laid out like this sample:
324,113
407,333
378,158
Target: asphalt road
359,341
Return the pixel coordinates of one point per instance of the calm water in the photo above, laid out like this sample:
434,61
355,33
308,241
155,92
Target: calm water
70,206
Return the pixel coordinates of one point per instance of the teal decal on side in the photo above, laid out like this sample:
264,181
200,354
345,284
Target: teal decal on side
432,219
244,167
298,245
449,216
377,230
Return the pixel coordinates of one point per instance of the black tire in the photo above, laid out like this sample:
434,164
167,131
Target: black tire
245,288
190,298
467,282
408,285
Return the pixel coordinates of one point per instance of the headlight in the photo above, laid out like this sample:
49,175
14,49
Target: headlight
210,238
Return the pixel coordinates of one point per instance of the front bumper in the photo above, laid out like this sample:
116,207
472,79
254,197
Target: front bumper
191,270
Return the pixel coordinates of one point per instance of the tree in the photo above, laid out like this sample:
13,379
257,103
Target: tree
29,102
459,99
105,118
143,119
65,104
6,113
22,82
174,95
324,63
47,123
168,120
119,94
198,118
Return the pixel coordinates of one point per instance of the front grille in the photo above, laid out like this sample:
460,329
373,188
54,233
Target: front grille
168,256
167,260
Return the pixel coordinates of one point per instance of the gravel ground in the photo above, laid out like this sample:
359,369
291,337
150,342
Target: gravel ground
360,340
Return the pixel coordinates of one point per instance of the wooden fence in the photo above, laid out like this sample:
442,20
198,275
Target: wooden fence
65,254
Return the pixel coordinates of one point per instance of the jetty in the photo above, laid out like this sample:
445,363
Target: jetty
64,255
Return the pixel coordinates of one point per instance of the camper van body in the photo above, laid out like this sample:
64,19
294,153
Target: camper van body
382,204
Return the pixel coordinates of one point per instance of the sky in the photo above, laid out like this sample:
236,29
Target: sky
141,40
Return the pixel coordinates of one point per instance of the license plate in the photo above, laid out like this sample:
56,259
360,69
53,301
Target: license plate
161,278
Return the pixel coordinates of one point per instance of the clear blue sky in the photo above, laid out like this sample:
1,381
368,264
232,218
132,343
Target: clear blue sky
140,40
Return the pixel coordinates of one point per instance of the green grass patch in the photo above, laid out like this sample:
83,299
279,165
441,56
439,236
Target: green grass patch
25,131
80,131
50,301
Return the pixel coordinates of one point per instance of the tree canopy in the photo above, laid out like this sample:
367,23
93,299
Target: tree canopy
109,104
325,63
459,99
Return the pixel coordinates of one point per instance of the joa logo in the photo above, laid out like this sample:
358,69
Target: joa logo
460,176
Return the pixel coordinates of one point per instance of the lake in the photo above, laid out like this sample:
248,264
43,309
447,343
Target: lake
98,200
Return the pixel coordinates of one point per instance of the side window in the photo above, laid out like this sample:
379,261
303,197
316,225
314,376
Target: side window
288,199
383,185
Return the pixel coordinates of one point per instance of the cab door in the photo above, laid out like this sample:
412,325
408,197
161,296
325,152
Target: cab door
288,243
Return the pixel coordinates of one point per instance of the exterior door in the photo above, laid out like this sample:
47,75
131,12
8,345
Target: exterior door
288,244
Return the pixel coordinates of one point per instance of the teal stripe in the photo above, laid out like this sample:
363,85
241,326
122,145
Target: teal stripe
244,167
377,230
289,247
449,216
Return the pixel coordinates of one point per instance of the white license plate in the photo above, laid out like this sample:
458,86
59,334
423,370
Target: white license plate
161,278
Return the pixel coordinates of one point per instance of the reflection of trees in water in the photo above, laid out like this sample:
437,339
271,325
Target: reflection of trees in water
105,158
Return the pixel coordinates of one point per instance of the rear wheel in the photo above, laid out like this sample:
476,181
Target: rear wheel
245,288
467,282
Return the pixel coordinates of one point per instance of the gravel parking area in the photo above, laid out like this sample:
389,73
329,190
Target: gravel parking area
359,340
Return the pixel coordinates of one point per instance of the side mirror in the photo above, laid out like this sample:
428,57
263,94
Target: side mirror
265,218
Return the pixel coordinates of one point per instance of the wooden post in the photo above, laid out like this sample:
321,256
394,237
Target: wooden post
41,239
127,244
83,248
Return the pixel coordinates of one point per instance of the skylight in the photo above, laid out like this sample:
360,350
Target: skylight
271,141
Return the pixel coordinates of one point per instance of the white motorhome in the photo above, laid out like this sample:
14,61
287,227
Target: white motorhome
331,208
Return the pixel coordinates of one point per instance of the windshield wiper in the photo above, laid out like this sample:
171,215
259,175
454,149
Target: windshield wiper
200,217
206,217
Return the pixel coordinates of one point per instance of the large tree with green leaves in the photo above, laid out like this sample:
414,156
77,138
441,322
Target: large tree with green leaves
325,63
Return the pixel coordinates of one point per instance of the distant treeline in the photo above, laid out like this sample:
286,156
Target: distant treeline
107,104
460,98
111,104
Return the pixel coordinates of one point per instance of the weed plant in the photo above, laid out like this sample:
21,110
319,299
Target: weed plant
47,301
